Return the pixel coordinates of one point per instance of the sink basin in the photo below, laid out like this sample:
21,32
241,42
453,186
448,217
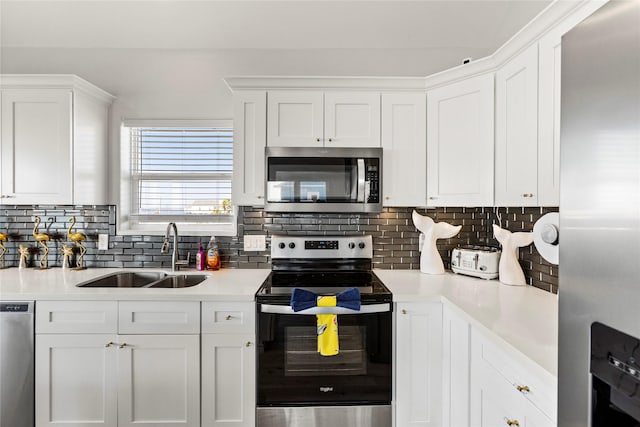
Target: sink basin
134,279
179,281
125,279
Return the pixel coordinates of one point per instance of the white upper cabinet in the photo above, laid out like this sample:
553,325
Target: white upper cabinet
516,169
460,143
249,141
62,160
404,143
317,119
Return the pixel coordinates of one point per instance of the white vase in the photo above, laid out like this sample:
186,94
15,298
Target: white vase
509,269
430,260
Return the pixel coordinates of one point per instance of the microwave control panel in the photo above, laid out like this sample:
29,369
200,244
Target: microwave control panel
373,179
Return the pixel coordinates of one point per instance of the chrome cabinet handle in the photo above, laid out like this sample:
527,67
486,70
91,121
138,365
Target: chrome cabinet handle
523,388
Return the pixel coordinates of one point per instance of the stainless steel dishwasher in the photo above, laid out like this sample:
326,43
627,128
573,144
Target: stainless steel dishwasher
17,364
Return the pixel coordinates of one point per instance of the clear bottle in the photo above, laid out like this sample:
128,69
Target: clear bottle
213,255
200,258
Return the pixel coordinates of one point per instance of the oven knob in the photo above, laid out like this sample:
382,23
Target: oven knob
292,245
281,245
352,245
361,245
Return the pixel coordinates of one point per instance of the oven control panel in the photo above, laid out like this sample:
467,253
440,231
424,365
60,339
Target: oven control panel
321,247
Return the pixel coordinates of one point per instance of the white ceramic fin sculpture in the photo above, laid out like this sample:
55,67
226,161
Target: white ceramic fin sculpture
430,261
509,270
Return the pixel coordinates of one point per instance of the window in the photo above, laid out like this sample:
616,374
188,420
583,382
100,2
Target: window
178,174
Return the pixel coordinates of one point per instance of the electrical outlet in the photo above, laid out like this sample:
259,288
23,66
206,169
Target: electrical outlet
255,242
103,242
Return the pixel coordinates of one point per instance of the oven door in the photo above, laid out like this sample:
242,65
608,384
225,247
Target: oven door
291,372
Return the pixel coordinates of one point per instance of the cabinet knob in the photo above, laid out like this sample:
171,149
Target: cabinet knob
404,311
228,317
259,197
123,345
248,344
109,344
330,139
512,422
317,139
523,388
386,197
432,197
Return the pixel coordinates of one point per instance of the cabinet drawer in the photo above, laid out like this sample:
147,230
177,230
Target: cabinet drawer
538,390
76,317
228,317
158,317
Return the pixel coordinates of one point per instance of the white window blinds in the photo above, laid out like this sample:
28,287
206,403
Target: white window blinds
181,174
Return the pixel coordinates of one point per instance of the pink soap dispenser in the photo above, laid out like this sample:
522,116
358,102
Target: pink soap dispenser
200,258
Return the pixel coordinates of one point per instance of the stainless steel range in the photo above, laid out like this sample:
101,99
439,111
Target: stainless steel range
296,385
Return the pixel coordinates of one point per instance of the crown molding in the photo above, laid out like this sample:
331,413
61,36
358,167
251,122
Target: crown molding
546,20
54,81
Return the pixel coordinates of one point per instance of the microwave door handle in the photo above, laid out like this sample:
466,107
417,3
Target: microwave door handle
361,182
364,309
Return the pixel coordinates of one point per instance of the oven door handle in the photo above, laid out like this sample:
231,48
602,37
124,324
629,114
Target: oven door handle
364,309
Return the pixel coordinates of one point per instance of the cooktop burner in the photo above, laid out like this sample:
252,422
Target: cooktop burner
324,265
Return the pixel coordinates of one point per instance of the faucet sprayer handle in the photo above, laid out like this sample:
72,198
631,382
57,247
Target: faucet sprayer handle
165,247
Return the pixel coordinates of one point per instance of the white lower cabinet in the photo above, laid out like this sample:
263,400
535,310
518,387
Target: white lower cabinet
456,335
228,364
418,361
506,390
111,379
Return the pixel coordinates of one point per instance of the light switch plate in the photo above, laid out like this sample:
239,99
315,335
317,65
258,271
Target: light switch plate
103,242
255,242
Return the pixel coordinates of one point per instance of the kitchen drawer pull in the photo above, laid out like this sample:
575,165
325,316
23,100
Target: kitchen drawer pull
228,317
8,197
404,311
523,388
432,197
109,344
527,195
248,344
123,345
514,423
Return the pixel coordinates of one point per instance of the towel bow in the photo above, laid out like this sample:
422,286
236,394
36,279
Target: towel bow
301,299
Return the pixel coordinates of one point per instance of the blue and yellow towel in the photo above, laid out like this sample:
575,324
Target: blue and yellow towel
327,328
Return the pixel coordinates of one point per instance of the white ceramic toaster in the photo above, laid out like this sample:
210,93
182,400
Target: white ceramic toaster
476,261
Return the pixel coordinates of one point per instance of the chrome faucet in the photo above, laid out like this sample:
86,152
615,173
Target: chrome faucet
176,262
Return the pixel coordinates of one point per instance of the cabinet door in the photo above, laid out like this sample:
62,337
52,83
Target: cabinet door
36,146
517,131
228,380
159,380
76,380
295,119
418,391
351,119
404,141
455,359
460,143
249,141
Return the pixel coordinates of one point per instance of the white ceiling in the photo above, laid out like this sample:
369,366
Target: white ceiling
432,25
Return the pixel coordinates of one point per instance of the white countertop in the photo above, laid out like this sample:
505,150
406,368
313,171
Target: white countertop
524,317
59,284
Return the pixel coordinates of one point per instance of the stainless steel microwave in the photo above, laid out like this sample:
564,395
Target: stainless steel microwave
323,179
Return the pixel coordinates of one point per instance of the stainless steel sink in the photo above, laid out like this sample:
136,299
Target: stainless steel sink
125,279
134,279
179,281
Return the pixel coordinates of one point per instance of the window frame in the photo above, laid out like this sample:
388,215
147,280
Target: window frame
129,222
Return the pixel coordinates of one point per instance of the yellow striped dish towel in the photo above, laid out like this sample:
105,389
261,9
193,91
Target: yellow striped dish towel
327,328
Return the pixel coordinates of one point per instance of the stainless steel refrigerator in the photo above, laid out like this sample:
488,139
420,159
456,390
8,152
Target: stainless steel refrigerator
599,271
